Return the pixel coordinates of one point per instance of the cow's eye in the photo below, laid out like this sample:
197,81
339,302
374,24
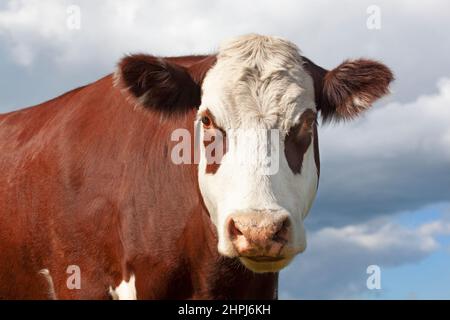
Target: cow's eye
206,121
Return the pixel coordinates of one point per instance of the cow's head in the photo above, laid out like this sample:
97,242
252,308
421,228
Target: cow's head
258,101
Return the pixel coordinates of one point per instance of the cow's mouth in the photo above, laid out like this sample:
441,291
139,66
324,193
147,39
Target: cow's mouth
262,264
265,259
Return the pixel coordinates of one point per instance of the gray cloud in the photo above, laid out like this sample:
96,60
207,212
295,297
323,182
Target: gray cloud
396,158
35,33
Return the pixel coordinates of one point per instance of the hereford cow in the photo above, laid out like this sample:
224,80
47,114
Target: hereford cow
95,204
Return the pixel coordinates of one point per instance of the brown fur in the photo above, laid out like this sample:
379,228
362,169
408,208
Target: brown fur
335,90
299,139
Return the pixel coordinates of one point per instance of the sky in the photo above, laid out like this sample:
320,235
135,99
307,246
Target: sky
384,194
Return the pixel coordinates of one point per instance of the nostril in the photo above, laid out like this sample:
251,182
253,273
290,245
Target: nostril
286,224
233,229
282,234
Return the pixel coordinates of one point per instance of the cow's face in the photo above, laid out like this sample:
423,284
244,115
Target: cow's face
259,182
257,123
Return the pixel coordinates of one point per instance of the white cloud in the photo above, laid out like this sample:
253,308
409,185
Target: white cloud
34,34
334,265
30,26
327,31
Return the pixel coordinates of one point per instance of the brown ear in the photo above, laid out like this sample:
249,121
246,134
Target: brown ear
350,88
163,84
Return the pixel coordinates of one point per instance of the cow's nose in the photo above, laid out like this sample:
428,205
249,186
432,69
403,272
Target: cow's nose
259,235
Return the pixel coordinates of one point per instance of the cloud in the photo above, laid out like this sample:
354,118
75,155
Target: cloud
395,158
334,265
328,32
30,26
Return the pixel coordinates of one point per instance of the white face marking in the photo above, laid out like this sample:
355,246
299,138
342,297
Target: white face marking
258,83
125,290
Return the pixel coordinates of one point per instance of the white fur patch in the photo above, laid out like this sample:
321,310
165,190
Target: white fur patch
258,83
125,291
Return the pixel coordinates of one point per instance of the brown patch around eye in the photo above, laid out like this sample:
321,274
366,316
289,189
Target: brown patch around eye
214,140
206,121
299,139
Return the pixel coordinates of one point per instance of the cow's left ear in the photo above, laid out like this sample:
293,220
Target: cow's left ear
163,84
349,89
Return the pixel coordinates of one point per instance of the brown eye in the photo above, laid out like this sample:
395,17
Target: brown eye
206,121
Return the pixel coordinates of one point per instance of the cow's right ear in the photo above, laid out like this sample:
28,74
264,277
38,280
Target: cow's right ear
159,83
349,89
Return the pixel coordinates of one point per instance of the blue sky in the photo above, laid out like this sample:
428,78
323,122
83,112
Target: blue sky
429,278
384,194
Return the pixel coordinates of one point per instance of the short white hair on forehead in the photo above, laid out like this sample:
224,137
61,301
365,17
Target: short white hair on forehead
257,50
258,81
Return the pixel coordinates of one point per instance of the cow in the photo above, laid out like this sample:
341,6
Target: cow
94,206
